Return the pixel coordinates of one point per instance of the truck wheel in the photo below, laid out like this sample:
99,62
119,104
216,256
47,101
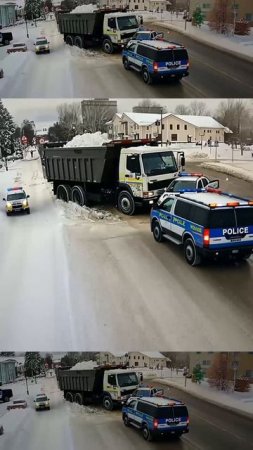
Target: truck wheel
6,399
191,254
107,403
157,232
69,40
78,195
63,192
146,433
146,76
6,42
69,397
78,41
126,203
107,46
126,63
79,398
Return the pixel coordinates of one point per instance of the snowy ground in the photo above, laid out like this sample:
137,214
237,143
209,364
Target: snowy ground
240,45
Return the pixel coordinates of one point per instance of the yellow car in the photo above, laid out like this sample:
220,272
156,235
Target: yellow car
16,201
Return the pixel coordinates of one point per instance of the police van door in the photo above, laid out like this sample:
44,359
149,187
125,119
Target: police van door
165,215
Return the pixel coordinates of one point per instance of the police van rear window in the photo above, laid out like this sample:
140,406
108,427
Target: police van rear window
180,411
171,55
222,218
244,216
164,412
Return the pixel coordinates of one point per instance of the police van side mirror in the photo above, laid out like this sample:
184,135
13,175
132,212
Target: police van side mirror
28,196
214,184
4,199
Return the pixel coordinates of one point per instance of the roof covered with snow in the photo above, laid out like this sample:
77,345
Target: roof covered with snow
154,355
200,121
143,119
146,119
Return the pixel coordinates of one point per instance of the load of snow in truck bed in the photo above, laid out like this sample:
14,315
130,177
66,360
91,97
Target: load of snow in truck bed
88,140
84,9
85,365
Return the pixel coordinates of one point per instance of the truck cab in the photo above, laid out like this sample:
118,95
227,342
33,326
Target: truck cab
118,384
144,173
118,28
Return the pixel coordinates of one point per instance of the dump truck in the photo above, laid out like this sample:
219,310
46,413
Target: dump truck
126,173
101,385
109,29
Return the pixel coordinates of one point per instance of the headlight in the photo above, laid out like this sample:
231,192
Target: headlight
25,203
9,205
46,403
36,404
37,48
148,194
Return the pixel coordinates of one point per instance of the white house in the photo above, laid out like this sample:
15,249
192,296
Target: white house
133,359
174,127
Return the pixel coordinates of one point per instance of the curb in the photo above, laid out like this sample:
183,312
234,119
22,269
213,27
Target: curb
206,42
202,397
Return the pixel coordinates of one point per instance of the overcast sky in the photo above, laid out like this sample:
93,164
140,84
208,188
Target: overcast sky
45,110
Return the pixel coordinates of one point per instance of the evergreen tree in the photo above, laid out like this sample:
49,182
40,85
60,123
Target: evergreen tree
7,130
198,17
197,374
33,363
33,9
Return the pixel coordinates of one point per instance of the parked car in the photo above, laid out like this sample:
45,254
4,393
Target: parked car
17,47
17,404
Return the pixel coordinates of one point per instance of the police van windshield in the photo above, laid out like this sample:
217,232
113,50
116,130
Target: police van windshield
41,42
41,399
159,163
127,379
17,196
128,22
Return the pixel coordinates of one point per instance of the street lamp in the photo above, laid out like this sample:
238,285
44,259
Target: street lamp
27,33
201,135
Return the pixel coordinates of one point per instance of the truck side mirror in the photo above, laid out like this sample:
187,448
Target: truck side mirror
28,196
182,161
4,199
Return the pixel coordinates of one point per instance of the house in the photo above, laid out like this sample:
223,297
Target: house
240,9
7,13
240,362
133,359
7,371
137,5
19,362
173,127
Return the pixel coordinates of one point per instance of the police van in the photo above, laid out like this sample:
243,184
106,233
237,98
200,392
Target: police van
16,201
156,416
207,223
156,59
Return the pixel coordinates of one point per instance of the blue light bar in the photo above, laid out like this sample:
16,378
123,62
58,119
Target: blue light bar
182,191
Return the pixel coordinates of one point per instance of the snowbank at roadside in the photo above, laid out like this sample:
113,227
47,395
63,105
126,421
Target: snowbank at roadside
74,211
229,169
88,140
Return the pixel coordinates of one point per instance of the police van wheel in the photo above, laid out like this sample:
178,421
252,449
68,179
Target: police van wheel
146,76
126,203
107,403
146,433
126,420
126,63
191,254
178,78
8,213
107,46
157,232
28,211
244,256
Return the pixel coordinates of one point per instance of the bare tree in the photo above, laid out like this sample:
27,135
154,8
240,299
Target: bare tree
235,115
182,110
221,17
70,117
148,106
199,109
96,116
220,374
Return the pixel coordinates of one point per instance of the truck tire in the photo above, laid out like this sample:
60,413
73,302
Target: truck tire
6,42
6,399
79,398
78,195
63,192
69,397
126,203
107,46
191,253
107,403
69,40
78,41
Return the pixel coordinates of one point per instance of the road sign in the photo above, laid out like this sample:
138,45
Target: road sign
24,140
34,141
42,141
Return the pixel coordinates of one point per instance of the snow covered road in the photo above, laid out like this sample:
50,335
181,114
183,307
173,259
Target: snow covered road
77,282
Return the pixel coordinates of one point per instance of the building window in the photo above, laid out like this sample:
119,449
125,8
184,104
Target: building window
174,137
163,126
171,126
185,127
178,127
143,357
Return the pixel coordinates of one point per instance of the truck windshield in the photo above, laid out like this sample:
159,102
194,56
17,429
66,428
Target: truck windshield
127,23
127,379
18,196
159,163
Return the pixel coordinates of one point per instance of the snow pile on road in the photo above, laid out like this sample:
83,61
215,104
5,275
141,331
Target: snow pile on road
84,9
238,172
88,140
197,155
85,365
74,211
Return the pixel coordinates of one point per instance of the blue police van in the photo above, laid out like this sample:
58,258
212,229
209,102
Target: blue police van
156,59
156,416
207,223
